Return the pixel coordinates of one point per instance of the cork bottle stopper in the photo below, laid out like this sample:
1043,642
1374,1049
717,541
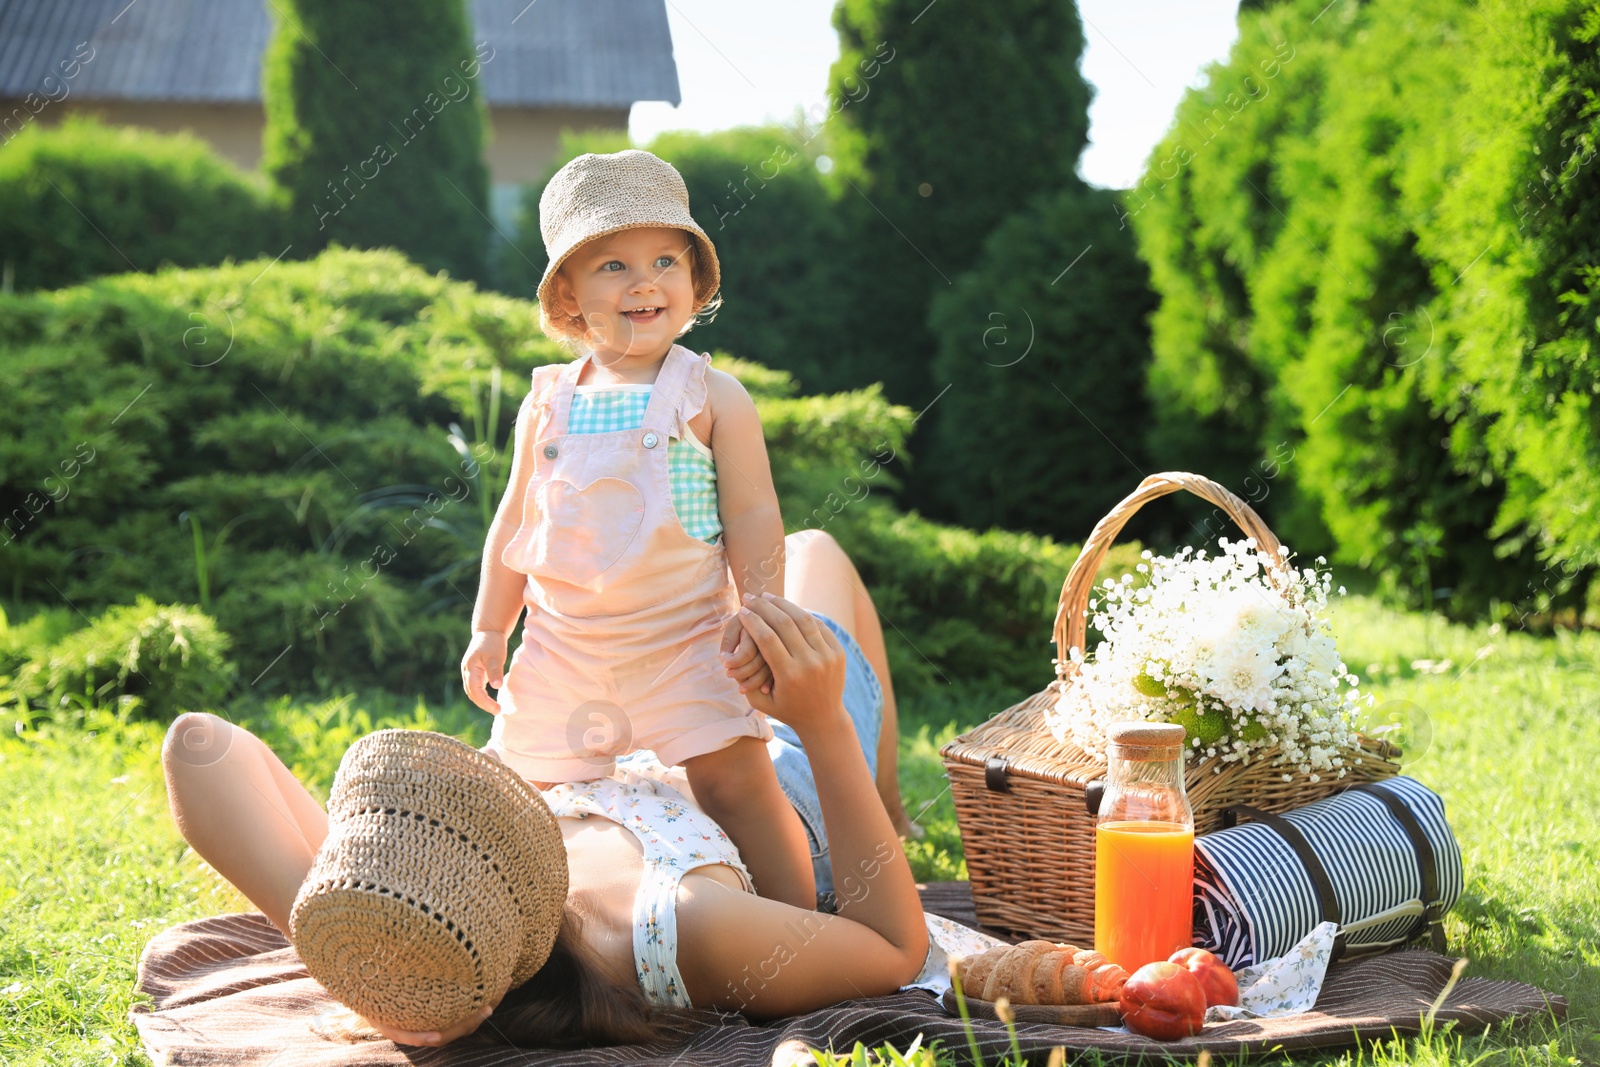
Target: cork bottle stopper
1146,740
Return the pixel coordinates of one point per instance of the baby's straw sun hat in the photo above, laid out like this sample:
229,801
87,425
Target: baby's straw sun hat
440,885
595,195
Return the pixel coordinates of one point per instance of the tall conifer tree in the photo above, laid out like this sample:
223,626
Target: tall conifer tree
375,129
949,118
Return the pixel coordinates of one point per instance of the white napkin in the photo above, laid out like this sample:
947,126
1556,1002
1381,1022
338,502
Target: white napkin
1284,986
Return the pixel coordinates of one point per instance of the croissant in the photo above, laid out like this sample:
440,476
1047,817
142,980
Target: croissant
1105,980
1041,972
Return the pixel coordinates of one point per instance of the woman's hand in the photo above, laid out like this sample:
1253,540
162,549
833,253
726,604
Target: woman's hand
434,1037
742,659
485,661
806,660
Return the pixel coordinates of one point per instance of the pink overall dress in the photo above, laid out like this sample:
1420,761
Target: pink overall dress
625,609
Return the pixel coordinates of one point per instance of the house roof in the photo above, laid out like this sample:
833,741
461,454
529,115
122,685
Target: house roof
547,53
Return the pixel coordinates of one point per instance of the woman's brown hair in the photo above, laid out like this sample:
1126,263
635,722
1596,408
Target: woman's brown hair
570,1003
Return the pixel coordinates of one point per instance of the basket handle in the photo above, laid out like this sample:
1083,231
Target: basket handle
1071,624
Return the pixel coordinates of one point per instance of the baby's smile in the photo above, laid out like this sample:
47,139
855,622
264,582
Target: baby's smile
646,314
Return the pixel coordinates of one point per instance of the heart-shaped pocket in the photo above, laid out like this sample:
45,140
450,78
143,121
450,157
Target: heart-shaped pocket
582,533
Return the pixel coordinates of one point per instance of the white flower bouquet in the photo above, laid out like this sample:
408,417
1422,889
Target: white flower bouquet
1238,654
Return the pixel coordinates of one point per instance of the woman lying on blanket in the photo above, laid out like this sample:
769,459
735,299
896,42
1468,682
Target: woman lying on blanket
618,959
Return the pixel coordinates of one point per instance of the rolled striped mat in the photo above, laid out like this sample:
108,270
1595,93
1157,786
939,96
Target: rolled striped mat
1377,859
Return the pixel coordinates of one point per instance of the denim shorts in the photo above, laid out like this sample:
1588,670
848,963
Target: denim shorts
863,701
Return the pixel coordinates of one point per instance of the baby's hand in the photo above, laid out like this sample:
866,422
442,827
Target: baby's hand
485,661
743,659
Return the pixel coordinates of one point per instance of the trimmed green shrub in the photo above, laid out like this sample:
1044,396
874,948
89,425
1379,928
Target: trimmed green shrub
962,611
761,382
84,199
1043,347
375,129
316,471
310,451
24,639
171,657
826,450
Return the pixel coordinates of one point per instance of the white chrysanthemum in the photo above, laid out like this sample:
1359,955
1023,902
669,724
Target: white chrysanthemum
1212,639
1256,618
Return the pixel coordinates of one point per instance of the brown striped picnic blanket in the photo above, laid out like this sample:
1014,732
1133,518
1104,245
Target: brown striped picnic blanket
229,990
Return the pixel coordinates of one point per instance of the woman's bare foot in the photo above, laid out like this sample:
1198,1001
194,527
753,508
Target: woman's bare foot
902,822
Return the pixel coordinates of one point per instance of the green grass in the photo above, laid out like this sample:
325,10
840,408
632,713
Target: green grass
91,867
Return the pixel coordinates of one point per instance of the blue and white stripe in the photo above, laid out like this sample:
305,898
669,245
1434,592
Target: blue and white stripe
1254,899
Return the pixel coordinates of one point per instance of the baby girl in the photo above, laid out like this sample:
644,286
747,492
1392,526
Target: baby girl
639,480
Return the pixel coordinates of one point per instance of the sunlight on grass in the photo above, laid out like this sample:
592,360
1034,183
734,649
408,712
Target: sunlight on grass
90,868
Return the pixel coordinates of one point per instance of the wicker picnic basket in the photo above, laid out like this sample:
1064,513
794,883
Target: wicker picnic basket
1022,797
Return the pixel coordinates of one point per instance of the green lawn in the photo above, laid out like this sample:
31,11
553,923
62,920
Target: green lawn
1505,727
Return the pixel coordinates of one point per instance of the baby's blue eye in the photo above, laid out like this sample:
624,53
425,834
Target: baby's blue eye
611,263
665,261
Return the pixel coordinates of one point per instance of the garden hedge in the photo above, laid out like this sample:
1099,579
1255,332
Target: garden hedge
83,199
309,453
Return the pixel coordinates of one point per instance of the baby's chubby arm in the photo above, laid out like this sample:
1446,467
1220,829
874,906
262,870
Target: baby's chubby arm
499,605
752,526
747,503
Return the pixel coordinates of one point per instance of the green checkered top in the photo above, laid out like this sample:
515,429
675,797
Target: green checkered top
601,409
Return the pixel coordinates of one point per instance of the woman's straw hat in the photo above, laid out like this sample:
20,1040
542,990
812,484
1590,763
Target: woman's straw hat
440,886
594,195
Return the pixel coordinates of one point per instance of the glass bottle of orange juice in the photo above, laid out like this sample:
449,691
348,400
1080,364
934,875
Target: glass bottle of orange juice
1144,848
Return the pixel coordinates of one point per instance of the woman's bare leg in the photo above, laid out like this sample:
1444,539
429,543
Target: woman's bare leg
242,810
819,576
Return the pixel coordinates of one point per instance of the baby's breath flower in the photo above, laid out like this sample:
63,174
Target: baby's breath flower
1239,636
